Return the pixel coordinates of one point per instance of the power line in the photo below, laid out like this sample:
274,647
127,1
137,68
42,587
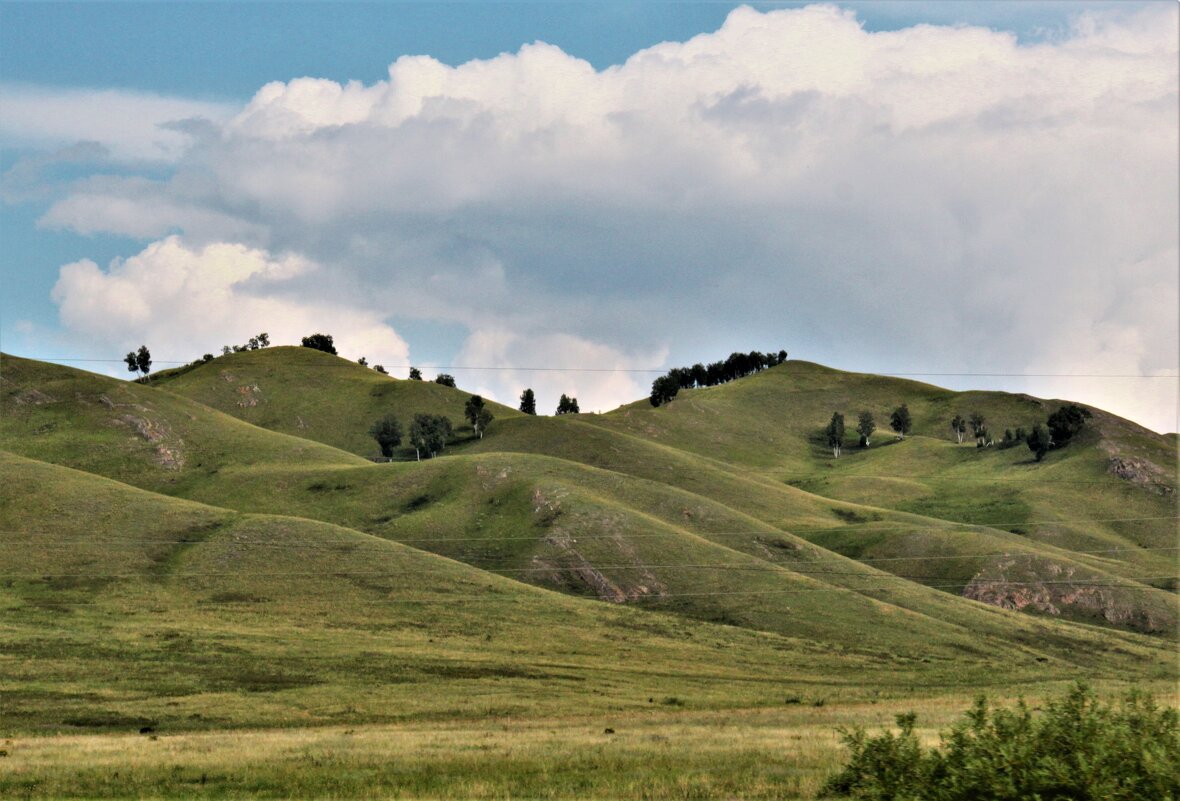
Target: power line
635,369
349,548
891,526
449,598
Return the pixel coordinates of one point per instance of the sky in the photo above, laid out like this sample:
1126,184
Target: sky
981,194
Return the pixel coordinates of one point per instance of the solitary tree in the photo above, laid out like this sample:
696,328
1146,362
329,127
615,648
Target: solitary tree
429,433
363,362
483,420
388,433
959,426
473,411
528,402
1039,441
445,380
415,374
664,389
380,368
139,361
835,434
1066,422
900,421
320,342
865,426
567,405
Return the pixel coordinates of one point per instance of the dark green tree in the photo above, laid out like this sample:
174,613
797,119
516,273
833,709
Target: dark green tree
664,389
263,340
363,362
445,379
429,433
388,433
139,361
900,421
1066,422
865,426
978,429
835,434
319,342
567,405
959,426
477,413
1039,441
415,374
528,402
380,368
483,420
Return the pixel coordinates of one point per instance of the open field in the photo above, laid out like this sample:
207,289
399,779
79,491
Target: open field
784,752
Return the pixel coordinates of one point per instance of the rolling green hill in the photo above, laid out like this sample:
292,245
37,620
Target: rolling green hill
743,512
317,396
168,567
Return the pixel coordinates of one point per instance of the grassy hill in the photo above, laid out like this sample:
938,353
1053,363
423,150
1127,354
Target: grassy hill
317,396
134,433
125,608
987,563
659,603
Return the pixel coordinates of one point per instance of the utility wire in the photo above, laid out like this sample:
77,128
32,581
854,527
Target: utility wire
639,369
891,526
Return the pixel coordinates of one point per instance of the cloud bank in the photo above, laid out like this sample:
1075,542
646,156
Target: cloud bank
933,199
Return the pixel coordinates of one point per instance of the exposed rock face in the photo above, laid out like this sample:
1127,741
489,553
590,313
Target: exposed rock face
1040,585
569,566
168,454
1140,471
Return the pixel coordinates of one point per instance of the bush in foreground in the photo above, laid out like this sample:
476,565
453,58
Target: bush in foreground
1077,749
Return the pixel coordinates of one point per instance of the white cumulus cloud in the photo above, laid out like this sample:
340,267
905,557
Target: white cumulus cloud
934,198
186,301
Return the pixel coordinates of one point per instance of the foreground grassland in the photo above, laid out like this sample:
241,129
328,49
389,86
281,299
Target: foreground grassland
777,753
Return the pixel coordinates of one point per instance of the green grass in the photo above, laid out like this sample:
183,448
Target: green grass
317,396
293,620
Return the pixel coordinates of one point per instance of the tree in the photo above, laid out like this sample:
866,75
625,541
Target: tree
429,433
380,368
959,426
139,361
978,428
226,350
664,389
473,411
445,380
567,405
1039,441
900,421
483,420
363,362
865,426
388,433
263,339
320,342
208,357
415,374
835,434
1066,422
528,402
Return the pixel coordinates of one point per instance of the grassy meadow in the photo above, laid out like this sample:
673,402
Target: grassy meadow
209,591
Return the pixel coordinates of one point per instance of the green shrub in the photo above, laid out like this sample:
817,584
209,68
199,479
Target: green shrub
1077,749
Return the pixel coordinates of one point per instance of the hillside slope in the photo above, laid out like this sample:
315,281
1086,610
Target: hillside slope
133,433
311,394
987,563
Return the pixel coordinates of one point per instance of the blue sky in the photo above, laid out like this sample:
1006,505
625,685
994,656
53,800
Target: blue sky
210,56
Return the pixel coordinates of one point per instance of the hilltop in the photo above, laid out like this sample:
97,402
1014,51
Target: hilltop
315,395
